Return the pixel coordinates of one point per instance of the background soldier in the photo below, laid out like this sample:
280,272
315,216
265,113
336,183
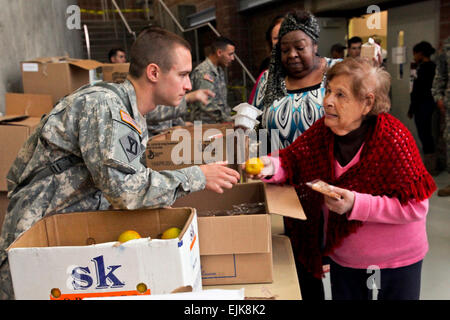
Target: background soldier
210,75
166,117
441,94
87,153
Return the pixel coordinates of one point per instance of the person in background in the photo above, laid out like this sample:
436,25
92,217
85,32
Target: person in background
337,51
291,102
117,55
374,231
210,75
272,40
354,47
163,118
87,153
422,105
441,95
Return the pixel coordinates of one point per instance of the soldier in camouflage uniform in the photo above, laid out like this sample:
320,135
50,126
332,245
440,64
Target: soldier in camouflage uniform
441,94
88,152
166,117
210,75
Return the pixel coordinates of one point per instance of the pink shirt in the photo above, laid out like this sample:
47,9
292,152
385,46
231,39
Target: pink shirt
392,235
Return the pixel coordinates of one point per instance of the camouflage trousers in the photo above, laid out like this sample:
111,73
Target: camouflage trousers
6,289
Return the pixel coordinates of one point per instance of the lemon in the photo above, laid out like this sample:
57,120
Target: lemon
254,166
171,233
128,235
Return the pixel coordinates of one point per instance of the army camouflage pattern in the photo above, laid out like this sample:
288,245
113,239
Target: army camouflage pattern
207,76
165,117
441,91
113,174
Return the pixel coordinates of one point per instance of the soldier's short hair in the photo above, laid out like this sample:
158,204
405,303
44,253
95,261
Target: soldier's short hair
154,45
221,43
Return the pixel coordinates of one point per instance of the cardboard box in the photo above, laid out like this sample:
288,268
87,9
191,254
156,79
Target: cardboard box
57,76
238,248
23,114
186,146
115,72
76,255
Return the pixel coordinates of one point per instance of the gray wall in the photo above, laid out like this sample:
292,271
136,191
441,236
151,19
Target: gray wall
31,29
419,21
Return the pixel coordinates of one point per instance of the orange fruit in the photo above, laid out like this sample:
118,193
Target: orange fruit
128,235
254,166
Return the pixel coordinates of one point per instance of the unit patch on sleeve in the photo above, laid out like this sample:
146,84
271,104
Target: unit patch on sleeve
131,146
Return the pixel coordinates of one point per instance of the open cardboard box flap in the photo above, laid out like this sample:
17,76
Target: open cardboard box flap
290,205
81,63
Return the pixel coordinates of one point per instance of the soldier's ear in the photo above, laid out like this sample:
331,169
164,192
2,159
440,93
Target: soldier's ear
153,72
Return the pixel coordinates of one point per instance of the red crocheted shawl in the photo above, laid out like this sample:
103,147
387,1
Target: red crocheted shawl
390,165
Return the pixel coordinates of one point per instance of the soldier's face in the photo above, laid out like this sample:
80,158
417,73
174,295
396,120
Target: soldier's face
174,83
226,56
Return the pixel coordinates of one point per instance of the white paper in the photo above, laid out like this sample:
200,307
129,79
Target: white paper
30,67
211,294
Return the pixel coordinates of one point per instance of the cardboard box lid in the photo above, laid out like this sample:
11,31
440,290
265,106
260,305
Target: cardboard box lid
283,200
33,105
81,63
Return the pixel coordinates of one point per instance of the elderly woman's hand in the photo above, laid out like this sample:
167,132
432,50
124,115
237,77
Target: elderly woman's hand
267,171
344,205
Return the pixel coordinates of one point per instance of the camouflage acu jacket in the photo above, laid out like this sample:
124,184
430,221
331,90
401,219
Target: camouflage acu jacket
94,125
207,76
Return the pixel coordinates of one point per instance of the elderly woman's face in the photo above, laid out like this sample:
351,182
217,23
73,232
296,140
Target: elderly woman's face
297,53
343,111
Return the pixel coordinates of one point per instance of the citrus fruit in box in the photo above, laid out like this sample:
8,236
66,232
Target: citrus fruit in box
254,166
171,233
128,235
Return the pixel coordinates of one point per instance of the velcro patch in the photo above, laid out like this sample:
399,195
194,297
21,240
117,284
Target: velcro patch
128,119
208,77
131,146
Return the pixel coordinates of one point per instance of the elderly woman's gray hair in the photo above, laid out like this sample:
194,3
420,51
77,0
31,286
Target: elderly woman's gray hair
366,78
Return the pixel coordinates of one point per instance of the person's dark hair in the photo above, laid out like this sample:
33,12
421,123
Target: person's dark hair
339,48
154,45
353,40
276,20
425,48
113,52
221,43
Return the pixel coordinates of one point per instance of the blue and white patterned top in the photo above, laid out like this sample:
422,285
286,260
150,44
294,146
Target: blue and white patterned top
293,114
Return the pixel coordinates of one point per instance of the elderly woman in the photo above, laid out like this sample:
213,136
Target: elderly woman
290,93
373,163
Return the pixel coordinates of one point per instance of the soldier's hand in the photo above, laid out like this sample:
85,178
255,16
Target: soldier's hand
200,95
218,176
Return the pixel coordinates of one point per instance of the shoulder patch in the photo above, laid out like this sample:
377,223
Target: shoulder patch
128,119
208,78
131,146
